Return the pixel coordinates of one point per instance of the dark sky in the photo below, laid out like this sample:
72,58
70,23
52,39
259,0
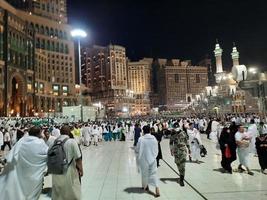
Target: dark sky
176,29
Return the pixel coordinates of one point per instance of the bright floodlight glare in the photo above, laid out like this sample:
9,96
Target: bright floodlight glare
252,70
78,33
124,109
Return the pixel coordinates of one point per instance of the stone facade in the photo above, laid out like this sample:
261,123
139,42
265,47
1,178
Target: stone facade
40,59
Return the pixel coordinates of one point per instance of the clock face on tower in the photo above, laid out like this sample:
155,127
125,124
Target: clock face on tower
239,72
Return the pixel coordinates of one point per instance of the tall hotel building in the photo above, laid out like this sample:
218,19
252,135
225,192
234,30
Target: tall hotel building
37,67
105,74
139,81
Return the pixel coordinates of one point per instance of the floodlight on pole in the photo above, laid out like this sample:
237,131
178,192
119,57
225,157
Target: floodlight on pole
79,33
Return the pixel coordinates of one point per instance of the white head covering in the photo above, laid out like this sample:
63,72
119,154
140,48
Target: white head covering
264,129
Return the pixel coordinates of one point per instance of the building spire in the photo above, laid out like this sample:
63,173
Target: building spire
218,55
235,55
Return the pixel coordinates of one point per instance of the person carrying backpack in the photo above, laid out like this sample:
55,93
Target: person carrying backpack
67,168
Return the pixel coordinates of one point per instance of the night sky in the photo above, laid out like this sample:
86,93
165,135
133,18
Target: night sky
177,29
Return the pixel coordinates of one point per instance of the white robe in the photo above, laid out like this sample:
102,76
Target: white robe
55,132
147,151
86,135
253,132
1,138
95,133
214,131
22,178
194,143
50,141
242,152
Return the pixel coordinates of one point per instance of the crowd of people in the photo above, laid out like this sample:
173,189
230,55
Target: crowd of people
31,148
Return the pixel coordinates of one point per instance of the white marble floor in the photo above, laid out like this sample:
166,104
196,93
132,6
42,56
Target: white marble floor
110,174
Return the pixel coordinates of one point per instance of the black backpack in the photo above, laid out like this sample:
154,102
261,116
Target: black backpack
203,151
57,161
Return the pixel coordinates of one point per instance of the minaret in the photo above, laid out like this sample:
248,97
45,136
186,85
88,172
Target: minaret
235,56
218,54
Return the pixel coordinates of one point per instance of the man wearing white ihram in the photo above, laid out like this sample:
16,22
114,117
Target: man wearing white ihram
95,133
86,135
22,178
147,151
194,142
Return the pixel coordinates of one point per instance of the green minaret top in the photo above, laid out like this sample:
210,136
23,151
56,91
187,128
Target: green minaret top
235,53
218,51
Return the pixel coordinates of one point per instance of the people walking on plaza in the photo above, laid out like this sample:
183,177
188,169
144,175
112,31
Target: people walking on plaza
86,135
253,132
202,125
228,148
147,151
7,140
261,146
194,143
158,136
95,133
13,135
1,141
208,130
214,130
23,175
67,186
77,134
56,132
179,146
243,140
20,133
137,133
49,139
109,132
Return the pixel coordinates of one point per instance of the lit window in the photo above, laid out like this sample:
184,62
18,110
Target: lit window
41,87
65,90
56,90
29,87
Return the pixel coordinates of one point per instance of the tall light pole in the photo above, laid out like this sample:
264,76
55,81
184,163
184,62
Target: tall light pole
79,34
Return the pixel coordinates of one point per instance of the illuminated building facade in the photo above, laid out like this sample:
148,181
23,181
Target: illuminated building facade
139,81
39,55
104,73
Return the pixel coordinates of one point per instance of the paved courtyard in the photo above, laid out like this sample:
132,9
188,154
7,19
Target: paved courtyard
110,173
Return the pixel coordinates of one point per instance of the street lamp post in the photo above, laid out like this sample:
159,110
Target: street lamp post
78,33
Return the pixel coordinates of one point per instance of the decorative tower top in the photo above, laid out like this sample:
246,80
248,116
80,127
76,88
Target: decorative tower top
235,56
217,51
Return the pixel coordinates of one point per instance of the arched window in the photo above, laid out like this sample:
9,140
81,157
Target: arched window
38,43
66,49
53,46
46,31
48,45
56,33
57,47
61,48
52,32
188,99
60,34
42,30
37,29
31,26
65,35
42,44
